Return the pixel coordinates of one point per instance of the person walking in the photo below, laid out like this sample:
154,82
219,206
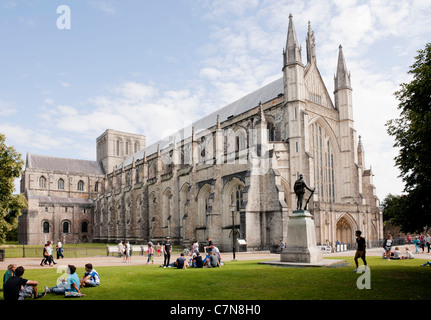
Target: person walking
45,258
59,250
360,250
50,249
417,243
150,252
422,241
126,257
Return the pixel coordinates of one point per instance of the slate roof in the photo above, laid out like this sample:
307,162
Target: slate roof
246,103
48,163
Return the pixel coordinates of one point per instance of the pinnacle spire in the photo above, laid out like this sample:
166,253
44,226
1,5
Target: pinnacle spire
311,45
293,51
342,78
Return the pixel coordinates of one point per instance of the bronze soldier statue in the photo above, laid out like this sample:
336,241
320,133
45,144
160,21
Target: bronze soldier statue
299,188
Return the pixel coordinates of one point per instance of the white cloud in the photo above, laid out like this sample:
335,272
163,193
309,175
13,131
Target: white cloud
132,107
106,6
243,52
6,109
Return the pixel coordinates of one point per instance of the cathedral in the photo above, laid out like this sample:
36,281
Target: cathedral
229,176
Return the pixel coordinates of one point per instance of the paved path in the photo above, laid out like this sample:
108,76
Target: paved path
33,263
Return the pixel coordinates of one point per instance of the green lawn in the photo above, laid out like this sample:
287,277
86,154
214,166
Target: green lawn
248,280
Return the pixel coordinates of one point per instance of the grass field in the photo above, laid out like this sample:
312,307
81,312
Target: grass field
248,280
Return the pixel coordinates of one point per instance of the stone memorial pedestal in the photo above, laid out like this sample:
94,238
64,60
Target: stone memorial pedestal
301,249
301,239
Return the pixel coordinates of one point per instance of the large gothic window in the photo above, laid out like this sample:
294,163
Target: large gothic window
324,177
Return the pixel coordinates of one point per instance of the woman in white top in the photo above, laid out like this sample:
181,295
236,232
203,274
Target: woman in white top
387,246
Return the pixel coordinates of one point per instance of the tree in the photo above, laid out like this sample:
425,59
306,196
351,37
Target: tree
412,133
11,166
394,208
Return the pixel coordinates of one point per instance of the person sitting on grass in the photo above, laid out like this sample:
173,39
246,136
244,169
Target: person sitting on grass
397,254
91,277
181,262
214,260
409,255
18,288
9,273
197,261
68,287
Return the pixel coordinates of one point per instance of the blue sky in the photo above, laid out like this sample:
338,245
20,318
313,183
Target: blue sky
150,67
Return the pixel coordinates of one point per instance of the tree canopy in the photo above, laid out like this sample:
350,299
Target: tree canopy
412,133
11,166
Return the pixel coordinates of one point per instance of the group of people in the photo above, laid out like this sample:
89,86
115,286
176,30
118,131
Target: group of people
420,241
387,252
125,251
212,256
48,258
15,287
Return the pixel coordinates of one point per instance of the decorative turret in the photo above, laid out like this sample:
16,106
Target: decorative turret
293,50
293,69
342,78
311,45
343,89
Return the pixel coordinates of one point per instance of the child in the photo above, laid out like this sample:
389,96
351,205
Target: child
158,250
150,252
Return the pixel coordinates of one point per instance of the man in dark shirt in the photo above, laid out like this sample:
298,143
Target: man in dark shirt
198,261
360,250
181,262
167,248
18,288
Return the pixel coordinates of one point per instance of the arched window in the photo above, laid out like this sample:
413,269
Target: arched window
233,200
84,227
80,185
46,227
96,187
66,227
271,131
60,184
203,205
237,197
42,182
324,177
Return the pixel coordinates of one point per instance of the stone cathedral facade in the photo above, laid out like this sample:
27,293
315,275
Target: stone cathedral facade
230,172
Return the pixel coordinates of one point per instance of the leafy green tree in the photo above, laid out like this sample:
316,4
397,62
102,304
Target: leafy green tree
11,166
394,208
412,133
